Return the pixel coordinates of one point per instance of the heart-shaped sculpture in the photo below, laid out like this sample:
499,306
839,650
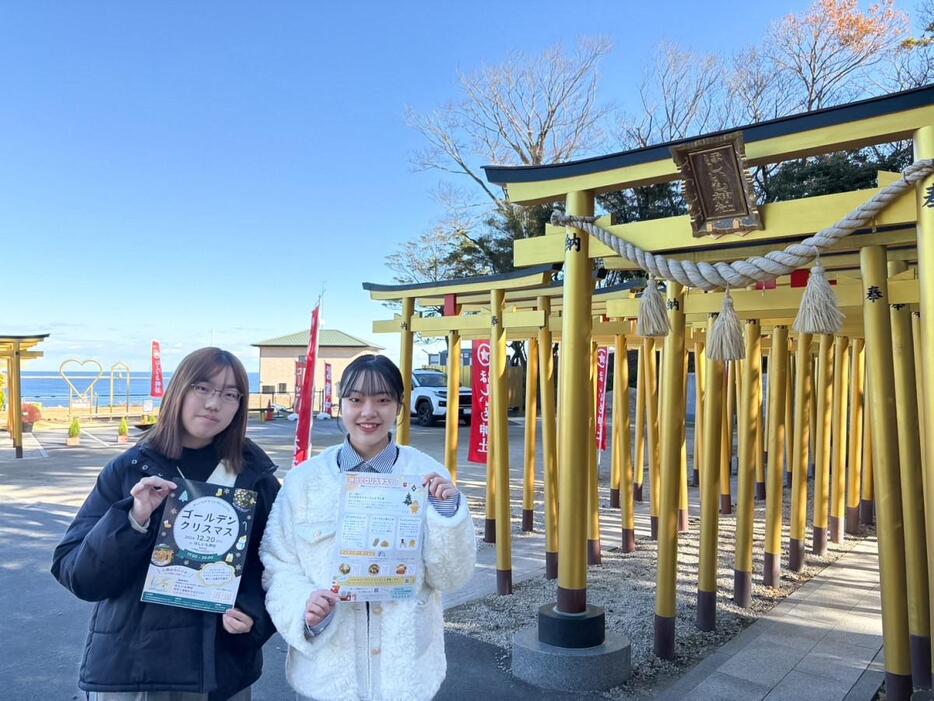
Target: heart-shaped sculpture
86,392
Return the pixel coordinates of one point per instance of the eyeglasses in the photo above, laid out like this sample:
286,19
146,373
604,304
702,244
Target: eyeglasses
205,392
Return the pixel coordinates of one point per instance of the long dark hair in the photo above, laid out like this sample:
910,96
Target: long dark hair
200,366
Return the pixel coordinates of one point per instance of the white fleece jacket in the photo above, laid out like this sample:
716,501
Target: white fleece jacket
397,652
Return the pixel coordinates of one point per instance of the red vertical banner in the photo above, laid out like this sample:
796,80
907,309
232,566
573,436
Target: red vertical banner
600,423
480,403
156,384
304,401
328,390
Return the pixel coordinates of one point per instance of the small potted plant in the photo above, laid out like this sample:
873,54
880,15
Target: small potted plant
74,433
123,432
31,415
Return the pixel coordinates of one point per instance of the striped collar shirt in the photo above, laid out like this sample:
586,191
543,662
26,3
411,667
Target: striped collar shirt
349,460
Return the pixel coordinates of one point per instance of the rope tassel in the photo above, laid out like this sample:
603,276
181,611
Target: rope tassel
653,319
819,313
726,336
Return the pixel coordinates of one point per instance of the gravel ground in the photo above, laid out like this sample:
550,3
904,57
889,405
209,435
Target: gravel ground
624,585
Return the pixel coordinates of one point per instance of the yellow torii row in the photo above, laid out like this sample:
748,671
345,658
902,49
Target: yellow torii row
885,286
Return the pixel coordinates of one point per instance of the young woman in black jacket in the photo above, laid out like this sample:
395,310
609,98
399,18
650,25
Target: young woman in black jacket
138,651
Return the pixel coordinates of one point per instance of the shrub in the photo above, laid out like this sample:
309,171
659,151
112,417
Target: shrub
124,429
31,413
75,429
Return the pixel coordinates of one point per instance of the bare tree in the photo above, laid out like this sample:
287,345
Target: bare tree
680,94
827,50
426,258
524,111
528,110
912,64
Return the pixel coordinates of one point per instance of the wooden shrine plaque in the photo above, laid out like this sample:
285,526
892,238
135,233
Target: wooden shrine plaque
717,189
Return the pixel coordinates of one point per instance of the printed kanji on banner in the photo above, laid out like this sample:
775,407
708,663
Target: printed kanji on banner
480,404
328,390
156,383
600,427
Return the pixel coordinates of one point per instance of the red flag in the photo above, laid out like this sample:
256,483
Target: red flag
600,423
480,403
156,385
304,401
328,389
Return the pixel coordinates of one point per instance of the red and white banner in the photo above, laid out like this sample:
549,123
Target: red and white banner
480,403
328,390
156,384
600,423
303,403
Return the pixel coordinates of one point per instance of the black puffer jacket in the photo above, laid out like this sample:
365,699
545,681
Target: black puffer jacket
133,646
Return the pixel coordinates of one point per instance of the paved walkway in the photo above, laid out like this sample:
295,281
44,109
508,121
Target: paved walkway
823,643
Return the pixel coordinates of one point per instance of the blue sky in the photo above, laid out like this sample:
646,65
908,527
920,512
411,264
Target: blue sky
198,171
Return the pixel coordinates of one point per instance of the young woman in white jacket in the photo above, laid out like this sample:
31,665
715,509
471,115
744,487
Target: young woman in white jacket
342,651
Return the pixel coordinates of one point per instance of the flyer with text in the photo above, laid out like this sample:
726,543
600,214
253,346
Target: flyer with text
379,537
201,548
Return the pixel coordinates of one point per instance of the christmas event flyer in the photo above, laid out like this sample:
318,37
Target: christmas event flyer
379,537
201,548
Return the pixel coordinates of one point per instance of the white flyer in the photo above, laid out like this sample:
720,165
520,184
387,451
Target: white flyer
380,528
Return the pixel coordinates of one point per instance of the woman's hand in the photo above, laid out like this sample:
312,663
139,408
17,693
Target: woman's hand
319,606
439,487
147,494
236,622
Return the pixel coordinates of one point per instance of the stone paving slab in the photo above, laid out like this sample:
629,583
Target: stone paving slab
822,643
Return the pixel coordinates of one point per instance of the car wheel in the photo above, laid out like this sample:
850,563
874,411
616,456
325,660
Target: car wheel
423,414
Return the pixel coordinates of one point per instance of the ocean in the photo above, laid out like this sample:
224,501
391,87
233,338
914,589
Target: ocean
49,389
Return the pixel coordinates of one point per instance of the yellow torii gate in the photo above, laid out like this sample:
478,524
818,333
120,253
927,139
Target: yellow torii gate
904,226
15,349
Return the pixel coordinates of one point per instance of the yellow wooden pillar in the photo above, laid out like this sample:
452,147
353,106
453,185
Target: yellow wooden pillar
812,413
452,423
746,471
824,401
799,469
841,381
789,415
916,342
622,451
615,466
924,148
15,399
882,409
854,465
651,438
709,493
531,422
700,386
403,432
670,443
574,423
778,372
683,488
593,488
867,508
760,438
911,481
639,464
726,440
549,440
499,430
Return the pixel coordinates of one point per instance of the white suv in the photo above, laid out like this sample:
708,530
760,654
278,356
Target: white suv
430,397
